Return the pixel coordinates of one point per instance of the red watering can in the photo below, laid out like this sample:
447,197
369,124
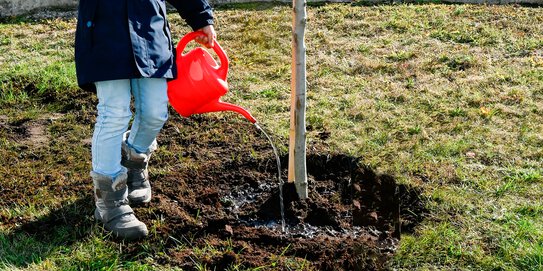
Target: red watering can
201,81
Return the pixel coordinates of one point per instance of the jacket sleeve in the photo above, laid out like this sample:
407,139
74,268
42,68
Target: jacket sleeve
197,13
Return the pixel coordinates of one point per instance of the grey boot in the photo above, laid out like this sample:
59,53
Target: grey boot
139,187
112,207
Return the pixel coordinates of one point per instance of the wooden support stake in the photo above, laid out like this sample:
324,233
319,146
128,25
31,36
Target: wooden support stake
297,170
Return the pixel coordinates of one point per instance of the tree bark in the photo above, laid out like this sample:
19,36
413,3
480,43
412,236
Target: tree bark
297,170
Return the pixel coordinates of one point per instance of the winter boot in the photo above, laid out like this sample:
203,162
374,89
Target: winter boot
112,207
139,187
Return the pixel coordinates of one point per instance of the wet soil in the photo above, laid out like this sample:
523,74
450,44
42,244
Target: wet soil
223,191
215,186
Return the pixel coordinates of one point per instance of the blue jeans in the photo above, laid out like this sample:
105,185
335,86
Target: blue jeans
114,114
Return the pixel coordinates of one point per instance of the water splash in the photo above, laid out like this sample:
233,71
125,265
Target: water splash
280,181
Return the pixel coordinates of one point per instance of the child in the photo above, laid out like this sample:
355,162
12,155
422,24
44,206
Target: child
123,48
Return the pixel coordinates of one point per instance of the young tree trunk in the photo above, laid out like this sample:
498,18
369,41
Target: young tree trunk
297,171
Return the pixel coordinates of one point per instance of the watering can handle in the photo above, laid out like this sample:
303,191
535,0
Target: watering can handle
223,69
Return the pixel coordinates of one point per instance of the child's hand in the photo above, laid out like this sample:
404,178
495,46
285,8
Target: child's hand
210,34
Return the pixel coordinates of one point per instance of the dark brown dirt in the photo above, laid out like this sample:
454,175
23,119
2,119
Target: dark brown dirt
220,192
215,185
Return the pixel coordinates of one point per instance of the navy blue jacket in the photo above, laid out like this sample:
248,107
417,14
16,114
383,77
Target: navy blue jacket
125,39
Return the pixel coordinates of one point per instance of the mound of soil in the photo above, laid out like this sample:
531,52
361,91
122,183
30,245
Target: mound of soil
224,192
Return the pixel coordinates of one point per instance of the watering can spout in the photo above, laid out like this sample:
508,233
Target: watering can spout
216,106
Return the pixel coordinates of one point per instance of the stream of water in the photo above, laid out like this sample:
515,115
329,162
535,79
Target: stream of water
280,181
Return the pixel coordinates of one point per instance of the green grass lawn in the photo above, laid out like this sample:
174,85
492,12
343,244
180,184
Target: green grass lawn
448,98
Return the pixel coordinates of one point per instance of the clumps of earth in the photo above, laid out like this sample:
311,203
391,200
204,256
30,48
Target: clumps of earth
215,186
223,190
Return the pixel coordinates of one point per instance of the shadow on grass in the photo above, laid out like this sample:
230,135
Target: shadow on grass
33,241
